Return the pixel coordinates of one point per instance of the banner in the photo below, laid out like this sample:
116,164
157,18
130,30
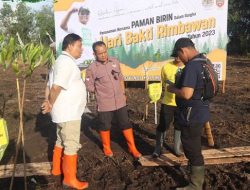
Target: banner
4,137
141,34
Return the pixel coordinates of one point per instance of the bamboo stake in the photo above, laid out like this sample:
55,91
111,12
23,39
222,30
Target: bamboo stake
24,159
20,134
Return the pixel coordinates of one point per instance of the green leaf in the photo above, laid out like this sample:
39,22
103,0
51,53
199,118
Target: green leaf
15,68
10,51
28,73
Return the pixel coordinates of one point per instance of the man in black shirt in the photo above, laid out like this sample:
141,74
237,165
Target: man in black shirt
192,111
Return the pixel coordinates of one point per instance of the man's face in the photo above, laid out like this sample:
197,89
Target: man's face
177,60
182,55
101,53
83,19
76,49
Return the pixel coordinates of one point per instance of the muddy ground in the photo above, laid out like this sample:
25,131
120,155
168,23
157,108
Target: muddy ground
230,126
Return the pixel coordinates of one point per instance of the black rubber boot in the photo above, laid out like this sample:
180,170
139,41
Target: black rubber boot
196,178
160,137
177,143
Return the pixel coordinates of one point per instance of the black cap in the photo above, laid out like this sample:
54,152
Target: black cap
181,43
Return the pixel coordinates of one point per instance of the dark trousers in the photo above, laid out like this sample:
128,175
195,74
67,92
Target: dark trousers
166,117
120,116
191,142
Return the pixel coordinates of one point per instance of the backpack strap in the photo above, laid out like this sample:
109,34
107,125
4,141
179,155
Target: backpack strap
200,59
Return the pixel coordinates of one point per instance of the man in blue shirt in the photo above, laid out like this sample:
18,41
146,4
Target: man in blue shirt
192,112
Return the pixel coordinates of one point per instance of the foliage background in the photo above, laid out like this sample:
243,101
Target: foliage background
30,24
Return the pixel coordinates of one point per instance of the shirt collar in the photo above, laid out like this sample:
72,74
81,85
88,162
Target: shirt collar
100,63
67,54
199,55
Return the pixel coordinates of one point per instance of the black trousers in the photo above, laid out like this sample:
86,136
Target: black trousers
191,142
166,117
120,116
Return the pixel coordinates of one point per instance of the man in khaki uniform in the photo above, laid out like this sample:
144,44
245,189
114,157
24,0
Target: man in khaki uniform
104,77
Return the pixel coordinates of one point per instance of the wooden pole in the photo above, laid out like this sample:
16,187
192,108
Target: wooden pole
223,86
146,87
146,112
210,139
155,112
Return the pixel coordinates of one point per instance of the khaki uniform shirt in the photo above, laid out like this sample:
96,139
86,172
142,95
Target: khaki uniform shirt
105,80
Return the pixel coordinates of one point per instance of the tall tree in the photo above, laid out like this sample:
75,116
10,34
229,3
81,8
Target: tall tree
239,26
18,21
45,24
32,26
6,19
24,22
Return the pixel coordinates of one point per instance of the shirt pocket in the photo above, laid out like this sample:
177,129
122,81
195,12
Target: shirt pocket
116,69
192,115
185,116
102,77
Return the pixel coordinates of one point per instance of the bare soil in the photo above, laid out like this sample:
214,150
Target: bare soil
230,127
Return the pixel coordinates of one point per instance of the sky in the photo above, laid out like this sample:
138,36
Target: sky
34,6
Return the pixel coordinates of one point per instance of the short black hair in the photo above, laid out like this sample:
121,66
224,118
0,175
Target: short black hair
181,43
83,11
70,39
98,43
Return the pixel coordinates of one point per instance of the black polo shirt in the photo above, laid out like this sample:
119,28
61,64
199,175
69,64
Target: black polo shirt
199,109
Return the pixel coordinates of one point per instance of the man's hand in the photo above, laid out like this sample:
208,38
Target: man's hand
171,88
46,107
185,92
64,24
48,103
73,10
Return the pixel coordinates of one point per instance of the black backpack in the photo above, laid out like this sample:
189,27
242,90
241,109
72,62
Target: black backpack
210,79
